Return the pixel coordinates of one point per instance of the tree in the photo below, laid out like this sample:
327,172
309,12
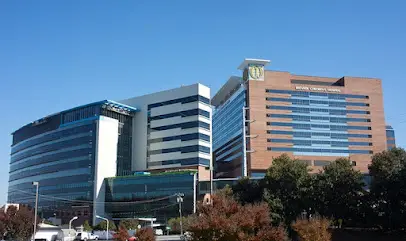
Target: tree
338,191
314,229
225,219
388,188
121,234
46,221
86,226
248,191
129,224
103,225
174,224
286,188
145,234
17,224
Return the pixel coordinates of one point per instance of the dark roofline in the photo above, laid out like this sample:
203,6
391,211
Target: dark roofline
111,102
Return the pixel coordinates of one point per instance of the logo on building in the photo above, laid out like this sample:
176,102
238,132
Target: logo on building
256,72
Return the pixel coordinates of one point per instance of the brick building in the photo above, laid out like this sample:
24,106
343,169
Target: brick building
315,119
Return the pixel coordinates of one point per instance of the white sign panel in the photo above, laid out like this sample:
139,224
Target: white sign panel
317,89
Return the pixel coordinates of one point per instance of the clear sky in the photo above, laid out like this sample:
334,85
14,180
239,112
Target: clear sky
58,54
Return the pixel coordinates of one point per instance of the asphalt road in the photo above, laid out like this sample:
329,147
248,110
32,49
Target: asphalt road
168,238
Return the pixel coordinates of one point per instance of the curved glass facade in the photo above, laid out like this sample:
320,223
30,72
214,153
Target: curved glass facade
62,161
60,153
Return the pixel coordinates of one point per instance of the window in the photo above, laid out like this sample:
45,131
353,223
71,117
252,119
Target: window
180,100
318,163
182,114
184,125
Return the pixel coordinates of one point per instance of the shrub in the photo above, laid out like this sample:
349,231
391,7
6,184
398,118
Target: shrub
314,229
121,234
145,234
225,220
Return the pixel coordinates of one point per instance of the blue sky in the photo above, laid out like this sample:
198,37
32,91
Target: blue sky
58,54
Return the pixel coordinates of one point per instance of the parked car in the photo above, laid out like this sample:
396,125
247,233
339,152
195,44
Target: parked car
86,236
159,232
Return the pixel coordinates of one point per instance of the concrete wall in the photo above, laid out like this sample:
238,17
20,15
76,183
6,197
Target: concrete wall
140,120
105,161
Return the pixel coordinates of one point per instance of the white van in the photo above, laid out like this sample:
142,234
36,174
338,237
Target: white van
49,234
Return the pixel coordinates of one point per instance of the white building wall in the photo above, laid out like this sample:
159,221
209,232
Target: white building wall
140,120
105,161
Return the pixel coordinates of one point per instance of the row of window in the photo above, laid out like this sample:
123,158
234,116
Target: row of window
184,113
319,118
390,133
38,166
182,162
50,143
317,102
51,136
181,100
228,120
228,143
185,125
186,137
310,126
50,169
52,182
79,114
318,142
391,142
51,147
306,94
226,109
55,156
160,181
319,134
294,149
182,149
56,175
321,110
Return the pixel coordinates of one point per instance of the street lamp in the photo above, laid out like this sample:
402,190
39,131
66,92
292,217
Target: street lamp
36,207
107,235
70,222
179,199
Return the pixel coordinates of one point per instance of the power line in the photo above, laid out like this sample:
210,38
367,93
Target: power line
94,202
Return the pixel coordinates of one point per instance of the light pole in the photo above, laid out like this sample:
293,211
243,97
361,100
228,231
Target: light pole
107,234
70,222
179,199
36,207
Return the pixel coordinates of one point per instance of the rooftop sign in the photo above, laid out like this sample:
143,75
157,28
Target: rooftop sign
318,89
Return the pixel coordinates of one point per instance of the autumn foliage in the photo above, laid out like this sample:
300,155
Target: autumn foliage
16,224
227,220
314,229
145,234
121,234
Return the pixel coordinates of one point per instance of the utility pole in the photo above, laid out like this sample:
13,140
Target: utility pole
36,208
179,199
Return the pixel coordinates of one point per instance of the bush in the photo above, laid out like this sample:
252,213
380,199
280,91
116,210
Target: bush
121,234
225,220
129,224
145,234
87,227
103,226
174,223
314,229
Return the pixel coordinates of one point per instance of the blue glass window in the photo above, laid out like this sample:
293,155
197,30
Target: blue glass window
183,149
181,100
182,114
184,125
